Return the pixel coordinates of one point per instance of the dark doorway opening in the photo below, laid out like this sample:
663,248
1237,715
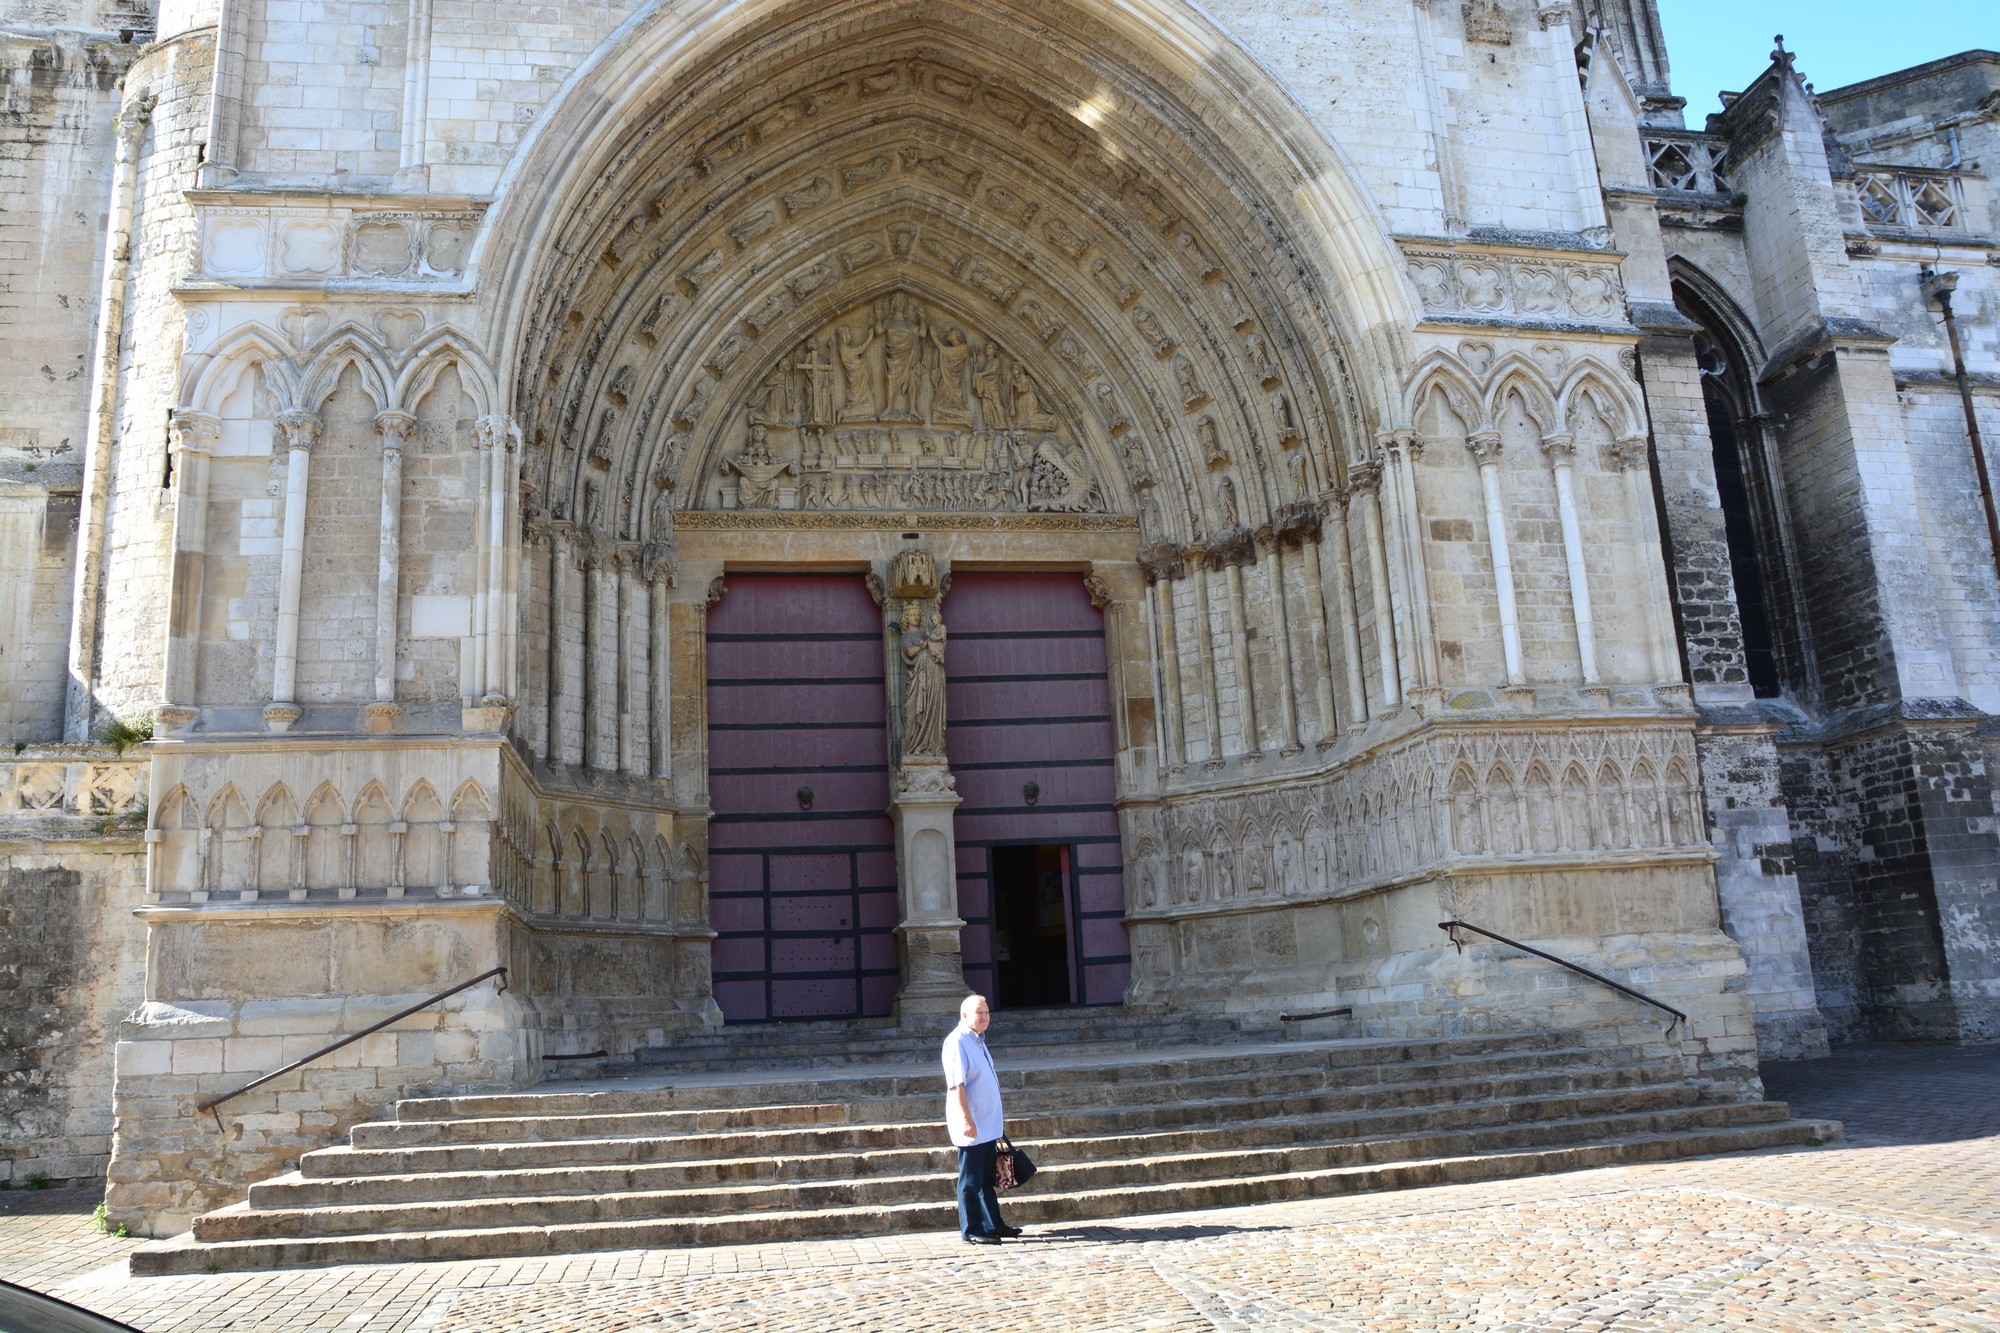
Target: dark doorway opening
1033,951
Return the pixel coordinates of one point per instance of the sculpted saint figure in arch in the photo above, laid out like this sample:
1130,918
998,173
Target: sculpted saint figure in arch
948,402
902,330
855,381
923,687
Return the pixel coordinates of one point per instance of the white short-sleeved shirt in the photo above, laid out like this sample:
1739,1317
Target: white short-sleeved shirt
967,1061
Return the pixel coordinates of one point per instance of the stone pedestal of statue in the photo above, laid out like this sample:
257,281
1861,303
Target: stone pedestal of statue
927,875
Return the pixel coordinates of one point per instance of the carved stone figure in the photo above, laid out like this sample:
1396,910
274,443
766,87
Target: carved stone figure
857,389
986,390
902,332
819,382
948,399
1028,412
773,402
923,688
758,472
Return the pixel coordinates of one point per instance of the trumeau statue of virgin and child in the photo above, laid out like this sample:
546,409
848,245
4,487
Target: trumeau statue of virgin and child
890,408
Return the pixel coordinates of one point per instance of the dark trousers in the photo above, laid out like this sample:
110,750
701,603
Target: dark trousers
978,1202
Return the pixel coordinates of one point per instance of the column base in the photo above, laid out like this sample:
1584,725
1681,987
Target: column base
933,975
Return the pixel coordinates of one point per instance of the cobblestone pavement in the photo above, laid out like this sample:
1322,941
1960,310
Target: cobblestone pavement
1897,1228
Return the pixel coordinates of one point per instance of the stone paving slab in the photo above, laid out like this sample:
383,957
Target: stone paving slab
1898,1228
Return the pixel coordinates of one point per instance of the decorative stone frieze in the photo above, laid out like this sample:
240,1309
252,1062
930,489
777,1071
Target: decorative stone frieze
246,241
1504,287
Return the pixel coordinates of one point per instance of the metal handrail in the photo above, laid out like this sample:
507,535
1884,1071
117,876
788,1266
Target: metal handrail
1452,928
349,1040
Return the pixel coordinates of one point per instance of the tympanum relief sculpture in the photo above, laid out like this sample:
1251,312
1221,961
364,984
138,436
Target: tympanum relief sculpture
892,407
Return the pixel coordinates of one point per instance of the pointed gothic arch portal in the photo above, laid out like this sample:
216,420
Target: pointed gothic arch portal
992,273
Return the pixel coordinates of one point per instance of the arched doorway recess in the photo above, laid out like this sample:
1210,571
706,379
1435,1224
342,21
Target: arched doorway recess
861,271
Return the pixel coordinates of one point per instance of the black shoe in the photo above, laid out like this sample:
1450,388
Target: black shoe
1008,1232
981,1238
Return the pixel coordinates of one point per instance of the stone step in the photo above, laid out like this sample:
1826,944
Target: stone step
825,1153
912,1176
517,1142
1177,1104
1037,1206
1084,1068
833,1046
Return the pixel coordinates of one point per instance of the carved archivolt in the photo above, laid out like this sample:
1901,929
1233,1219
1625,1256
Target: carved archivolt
931,291
1449,800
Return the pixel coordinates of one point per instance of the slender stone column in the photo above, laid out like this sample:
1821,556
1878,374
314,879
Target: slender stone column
1320,661
562,681
631,610
1161,565
395,428
537,566
193,435
1288,707
1346,613
1105,601
1401,450
658,567
595,575
1560,450
1485,447
1367,487
299,432
1239,652
1197,559
497,438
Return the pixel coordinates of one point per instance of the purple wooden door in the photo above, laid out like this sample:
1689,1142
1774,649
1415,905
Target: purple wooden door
1028,701
802,864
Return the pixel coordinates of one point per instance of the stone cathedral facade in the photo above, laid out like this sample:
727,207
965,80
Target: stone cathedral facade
771,510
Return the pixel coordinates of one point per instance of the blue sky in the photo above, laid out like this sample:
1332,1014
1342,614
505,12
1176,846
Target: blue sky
1717,44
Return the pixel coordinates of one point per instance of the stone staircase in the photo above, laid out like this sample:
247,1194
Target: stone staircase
771,1135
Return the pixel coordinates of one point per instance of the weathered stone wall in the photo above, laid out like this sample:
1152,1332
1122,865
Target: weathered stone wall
235,994
60,94
72,956
37,566
134,507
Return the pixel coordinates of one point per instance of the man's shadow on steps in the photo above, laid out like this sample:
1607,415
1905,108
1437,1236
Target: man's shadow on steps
1099,1233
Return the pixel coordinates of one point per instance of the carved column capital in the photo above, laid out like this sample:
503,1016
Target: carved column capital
298,429
1401,441
193,432
395,428
1163,561
496,432
1100,592
1627,454
133,118
1484,445
659,563
1559,449
1362,479
716,587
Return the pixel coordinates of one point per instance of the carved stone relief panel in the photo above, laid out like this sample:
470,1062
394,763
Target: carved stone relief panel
895,406
1515,286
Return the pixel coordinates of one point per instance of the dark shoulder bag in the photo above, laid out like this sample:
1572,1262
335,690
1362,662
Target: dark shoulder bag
1012,1167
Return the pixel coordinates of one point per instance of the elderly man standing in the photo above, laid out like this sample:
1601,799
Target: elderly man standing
972,1113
